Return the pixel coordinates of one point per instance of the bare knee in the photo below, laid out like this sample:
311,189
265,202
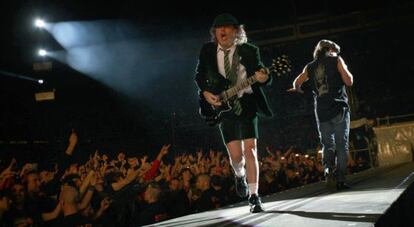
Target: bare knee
235,151
250,150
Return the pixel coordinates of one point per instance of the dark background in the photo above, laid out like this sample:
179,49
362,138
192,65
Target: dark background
380,58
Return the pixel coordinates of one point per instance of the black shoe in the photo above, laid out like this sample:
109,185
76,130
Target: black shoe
255,204
342,186
241,186
330,179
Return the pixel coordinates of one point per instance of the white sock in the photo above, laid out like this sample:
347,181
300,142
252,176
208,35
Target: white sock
253,188
238,168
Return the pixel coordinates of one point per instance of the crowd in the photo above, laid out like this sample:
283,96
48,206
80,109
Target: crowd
133,191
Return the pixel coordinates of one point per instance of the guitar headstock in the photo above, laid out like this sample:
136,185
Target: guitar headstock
281,65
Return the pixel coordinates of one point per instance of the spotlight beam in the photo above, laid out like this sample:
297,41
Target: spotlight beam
10,74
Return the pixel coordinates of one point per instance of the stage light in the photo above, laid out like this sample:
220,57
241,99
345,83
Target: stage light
42,52
39,23
40,81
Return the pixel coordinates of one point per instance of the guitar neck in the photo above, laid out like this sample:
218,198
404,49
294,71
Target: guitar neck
280,66
231,92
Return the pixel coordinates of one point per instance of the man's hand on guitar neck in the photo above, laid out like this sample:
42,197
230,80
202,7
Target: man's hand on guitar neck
211,98
262,75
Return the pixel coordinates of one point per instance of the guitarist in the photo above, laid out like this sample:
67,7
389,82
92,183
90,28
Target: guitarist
328,76
230,58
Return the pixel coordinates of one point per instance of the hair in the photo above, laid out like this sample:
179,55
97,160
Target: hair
113,177
154,184
216,180
69,180
324,46
204,176
186,169
25,178
175,178
155,190
241,36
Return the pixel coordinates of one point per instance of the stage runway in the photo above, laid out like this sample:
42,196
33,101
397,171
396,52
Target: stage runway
373,191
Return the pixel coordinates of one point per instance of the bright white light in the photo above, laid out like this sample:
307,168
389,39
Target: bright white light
320,151
40,23
40,81
42,52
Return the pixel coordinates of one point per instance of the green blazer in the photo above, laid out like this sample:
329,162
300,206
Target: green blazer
207,74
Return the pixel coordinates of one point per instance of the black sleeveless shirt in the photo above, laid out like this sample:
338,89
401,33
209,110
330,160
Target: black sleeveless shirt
328,89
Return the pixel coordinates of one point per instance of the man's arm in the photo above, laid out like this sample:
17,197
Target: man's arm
105,203
87,196
201,70
86,199
53,214
297,83
347,77
151,173
201,78
67,158
73,140
262,73
85,183
131,176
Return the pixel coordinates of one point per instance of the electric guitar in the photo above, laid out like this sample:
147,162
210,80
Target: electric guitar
227,95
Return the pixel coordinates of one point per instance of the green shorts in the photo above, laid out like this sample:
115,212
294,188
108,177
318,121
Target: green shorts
239,128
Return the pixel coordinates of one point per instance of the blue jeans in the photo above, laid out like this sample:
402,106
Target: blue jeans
334,136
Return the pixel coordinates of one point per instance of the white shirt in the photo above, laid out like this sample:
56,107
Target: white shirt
241,70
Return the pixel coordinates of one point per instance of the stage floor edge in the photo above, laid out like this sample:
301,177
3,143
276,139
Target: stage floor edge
373,192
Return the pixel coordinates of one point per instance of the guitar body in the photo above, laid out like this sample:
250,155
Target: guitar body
212,114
